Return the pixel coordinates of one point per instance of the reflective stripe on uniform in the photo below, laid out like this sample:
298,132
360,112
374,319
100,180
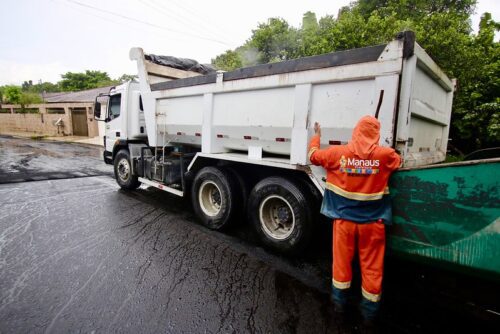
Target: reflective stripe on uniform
311,151
354,195
371,296
341,285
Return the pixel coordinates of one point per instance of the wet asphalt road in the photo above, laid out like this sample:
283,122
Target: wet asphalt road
35,160
77,254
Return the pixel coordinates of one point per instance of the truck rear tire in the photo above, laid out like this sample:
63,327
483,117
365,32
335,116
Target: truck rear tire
280,212
123,171
216,197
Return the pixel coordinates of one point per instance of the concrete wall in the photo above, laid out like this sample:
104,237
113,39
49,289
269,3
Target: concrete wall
43,123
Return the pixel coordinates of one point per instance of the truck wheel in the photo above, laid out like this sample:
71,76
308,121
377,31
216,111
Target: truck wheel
280,213
123,171
216,197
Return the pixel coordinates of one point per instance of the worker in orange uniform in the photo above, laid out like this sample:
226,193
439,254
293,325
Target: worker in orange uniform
356,198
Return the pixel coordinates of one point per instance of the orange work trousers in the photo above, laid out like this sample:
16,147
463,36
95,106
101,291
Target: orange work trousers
369,240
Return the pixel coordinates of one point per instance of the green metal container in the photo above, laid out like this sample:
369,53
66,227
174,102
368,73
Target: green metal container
449,214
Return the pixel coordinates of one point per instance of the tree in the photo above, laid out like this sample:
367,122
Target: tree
228,61
126,77
275,41
443,30
476,114
46,87
12,94
308,35
27,85
40,87
29,98
414,9
73,81
309,22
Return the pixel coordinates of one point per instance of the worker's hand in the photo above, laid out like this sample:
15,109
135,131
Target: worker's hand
317,129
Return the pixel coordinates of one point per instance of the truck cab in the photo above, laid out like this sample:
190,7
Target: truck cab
123,118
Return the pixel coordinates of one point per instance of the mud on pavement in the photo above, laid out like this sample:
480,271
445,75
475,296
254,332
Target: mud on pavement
34,160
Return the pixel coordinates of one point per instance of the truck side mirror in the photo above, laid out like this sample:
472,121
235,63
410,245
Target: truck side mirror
97,110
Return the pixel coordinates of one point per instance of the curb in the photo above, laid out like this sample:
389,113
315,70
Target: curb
49,139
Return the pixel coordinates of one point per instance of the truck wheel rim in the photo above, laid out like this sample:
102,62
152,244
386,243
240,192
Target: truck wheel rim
123,169
210,198
276,217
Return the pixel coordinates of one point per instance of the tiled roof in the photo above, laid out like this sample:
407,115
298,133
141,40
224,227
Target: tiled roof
81,96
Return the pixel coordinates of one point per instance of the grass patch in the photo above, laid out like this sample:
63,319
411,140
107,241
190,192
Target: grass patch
453,158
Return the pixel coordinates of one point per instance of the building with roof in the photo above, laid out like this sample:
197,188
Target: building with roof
65,113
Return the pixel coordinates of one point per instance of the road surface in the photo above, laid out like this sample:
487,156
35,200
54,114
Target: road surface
77,254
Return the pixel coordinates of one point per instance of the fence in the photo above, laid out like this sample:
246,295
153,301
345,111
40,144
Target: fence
46,119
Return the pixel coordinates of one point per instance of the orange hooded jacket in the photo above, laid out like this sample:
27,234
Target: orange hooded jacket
357,174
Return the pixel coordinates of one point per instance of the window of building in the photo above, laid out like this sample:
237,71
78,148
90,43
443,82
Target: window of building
26,110
55,111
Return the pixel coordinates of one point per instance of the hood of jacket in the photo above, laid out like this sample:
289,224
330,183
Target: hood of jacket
365,137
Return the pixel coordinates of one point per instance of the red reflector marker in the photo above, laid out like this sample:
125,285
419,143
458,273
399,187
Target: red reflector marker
197,134
334,142
247,137
220,136
179,133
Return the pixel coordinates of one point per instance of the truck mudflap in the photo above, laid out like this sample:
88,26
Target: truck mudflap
450,214
108,157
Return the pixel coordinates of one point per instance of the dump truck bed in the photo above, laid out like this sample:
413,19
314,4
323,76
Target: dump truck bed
272,107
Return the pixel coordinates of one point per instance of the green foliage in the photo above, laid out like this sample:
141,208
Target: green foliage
73,81
126,77
228,61
30,93
453,158
476,114
414,9
15,95
309,22
12,94
40,87
275,41
29,98
27,85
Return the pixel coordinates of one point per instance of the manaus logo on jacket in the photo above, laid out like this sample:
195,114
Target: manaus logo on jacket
358,166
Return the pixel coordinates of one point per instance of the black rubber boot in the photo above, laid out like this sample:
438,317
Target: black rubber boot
339,299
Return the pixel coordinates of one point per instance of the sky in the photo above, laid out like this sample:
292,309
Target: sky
42,39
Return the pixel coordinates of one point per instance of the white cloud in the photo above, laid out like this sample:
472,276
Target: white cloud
14,73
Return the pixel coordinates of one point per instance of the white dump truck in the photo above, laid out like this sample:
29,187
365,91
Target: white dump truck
236,142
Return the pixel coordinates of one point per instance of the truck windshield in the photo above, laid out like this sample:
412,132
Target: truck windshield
114,106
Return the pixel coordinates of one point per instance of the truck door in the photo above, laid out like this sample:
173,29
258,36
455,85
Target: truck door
113,121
